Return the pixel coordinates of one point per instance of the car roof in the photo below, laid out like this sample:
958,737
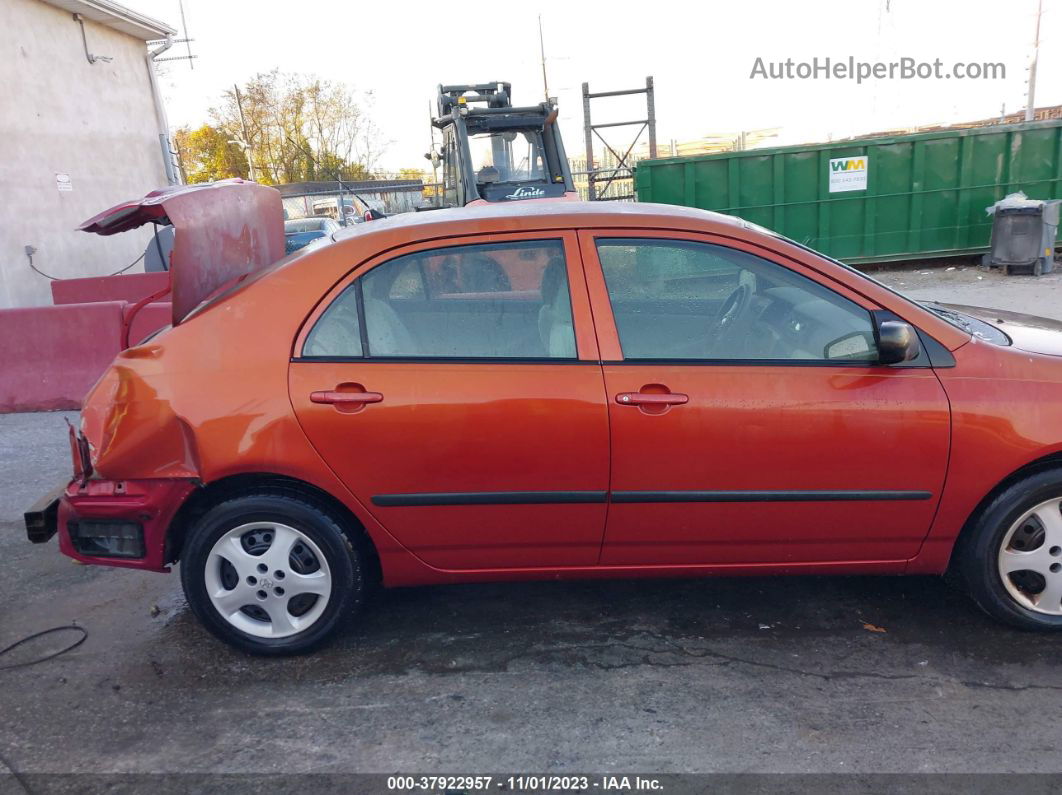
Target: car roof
538,214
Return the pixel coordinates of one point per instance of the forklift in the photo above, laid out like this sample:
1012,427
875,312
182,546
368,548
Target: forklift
494,152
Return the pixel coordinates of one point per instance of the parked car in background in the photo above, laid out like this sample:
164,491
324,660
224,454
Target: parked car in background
553,390
299,232
356,210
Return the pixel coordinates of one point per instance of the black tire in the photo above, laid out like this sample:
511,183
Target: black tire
977,556
345,565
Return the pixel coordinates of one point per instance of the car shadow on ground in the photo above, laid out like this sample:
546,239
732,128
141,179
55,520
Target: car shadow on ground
823,627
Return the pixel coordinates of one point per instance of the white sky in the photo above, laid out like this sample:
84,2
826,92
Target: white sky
700,53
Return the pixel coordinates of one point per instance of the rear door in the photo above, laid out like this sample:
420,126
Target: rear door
750,423
455,388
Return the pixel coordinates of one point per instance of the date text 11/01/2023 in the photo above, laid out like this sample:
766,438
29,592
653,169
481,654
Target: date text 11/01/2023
528,783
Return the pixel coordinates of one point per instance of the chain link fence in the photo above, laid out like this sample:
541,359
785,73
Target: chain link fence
341,199
610,184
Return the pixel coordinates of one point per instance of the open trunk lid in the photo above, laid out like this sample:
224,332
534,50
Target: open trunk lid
222,230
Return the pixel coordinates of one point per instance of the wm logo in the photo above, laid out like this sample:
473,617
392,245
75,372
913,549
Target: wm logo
854,164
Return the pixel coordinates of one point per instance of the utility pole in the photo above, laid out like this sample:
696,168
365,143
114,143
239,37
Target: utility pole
246,142
1030,104
542,50
187,41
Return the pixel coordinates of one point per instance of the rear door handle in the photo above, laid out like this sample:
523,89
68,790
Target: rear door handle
651,399
328,396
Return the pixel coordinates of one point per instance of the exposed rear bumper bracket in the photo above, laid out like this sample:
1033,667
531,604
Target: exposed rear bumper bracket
42,520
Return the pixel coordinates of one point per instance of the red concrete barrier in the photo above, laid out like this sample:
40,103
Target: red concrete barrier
51,355
130,287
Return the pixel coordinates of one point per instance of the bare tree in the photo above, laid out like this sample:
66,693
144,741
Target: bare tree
300,127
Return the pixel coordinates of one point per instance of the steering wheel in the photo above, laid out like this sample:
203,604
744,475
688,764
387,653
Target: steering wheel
725,324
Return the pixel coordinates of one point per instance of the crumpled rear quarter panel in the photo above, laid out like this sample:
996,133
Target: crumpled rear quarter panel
209,398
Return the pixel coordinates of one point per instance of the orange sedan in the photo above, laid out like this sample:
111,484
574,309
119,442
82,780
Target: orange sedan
565,390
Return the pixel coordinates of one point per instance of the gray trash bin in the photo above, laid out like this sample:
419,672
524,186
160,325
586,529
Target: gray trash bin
1023,234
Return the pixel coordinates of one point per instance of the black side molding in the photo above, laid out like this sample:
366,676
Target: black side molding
491,498
570,497
767,496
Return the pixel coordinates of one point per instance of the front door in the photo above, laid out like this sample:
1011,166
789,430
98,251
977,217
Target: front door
750,423
455,389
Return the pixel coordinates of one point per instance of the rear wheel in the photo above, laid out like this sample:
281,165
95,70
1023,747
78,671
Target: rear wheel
1012,560
271,574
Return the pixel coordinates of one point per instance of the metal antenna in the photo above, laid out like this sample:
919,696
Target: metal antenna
187,41
542,50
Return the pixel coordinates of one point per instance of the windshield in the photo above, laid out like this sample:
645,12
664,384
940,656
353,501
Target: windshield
507,156
971,325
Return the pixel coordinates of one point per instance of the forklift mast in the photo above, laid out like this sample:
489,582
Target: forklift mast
494,152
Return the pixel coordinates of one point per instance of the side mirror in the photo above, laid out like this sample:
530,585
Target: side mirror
897,342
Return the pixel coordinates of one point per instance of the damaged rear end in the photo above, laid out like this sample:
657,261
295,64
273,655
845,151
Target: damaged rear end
134,464
134,461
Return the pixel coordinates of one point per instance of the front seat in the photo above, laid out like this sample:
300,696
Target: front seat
555,315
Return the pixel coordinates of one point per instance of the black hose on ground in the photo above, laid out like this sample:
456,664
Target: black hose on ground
42,633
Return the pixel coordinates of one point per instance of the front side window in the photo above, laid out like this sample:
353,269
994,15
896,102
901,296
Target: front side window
677,299
495,301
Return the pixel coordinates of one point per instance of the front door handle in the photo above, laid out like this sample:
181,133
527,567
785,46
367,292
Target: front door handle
651,399
350,398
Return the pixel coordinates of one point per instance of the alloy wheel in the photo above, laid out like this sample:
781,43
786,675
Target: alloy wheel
267,579
1030,558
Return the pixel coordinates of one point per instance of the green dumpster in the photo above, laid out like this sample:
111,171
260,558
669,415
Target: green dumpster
872,199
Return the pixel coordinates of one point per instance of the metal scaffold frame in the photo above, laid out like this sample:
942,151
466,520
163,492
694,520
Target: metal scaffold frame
590,130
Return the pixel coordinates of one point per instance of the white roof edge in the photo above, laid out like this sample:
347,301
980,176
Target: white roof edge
117,17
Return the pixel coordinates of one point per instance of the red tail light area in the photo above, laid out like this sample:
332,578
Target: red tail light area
120,522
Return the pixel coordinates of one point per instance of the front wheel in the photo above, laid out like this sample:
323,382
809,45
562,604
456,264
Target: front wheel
1012,559
270,574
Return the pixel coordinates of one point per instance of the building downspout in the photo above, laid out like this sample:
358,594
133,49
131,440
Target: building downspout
160,111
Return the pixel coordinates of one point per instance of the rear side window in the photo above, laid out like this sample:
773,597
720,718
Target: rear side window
490,301
338,332
677,299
